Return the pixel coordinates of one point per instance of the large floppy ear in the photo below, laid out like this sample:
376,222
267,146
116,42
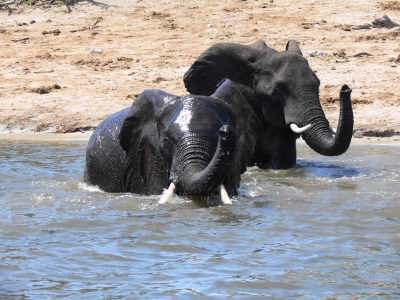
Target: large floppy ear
139,139
223,60
293,46
247,125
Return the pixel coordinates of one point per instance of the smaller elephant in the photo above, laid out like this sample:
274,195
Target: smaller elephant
195,145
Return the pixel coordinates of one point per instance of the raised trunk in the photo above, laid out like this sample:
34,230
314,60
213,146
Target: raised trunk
200,174
319,137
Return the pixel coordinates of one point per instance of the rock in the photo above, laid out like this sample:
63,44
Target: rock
96,51
346,27
358,134
385,22
317,53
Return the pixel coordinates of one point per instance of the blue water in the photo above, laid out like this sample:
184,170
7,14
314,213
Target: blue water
327,229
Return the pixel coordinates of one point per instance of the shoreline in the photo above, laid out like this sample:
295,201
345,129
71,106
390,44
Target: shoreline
84,137
45,136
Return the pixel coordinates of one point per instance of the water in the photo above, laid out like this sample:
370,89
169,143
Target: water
326,229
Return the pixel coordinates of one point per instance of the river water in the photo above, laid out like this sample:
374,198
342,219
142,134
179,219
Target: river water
327,229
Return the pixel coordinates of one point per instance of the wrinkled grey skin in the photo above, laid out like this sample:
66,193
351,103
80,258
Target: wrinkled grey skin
282,89
196,142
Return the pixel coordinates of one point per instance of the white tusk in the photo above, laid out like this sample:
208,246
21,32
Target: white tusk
296,129
167,194
224,196
332,129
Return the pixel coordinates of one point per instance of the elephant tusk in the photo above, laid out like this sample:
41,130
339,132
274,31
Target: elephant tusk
167,194
296,129
332,129
224,196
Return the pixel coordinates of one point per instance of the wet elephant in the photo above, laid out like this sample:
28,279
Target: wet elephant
195,145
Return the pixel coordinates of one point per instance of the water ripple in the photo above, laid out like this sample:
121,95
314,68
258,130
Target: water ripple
326,229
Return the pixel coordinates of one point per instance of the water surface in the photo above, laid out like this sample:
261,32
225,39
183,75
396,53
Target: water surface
327,229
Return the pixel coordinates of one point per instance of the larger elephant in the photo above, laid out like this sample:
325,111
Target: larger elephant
196,145
283,91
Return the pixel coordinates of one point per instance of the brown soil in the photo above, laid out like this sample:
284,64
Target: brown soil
51,82
391,5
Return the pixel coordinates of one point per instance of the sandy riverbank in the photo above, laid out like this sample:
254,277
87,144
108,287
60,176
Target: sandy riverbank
51,83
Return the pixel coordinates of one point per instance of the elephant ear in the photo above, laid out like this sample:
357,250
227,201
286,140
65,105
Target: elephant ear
139,139
293,46
260,45
247,125
223,60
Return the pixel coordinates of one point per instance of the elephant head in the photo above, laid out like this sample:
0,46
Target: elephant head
284,92
193,144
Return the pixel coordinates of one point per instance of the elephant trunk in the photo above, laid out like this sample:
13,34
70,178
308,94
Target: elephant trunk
319,137
200,174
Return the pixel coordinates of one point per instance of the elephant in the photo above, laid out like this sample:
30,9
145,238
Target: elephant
283,91
193,145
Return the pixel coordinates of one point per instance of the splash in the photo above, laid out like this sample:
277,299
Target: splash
89,188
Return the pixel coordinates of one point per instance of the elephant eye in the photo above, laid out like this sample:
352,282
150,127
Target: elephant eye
279,93
166,144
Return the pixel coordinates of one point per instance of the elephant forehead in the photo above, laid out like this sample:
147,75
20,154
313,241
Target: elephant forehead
279,61
184,117
195,112
291,71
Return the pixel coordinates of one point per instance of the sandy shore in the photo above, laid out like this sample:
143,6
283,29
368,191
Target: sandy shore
50,82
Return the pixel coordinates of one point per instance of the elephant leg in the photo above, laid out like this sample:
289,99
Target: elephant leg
276,149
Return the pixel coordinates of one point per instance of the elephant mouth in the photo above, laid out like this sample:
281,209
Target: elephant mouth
168,194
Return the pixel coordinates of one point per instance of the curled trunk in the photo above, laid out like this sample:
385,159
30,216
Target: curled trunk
319,137
201,174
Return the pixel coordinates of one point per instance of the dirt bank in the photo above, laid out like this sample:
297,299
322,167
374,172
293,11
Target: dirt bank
51,82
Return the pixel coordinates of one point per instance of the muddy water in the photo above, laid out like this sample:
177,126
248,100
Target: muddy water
326,229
